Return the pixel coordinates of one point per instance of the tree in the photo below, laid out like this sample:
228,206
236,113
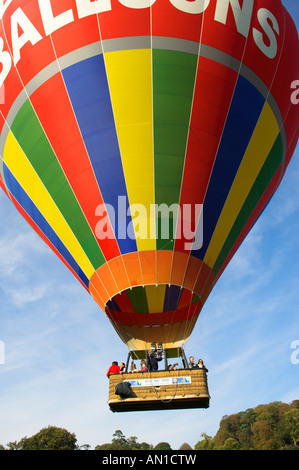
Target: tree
270,414
85,447
15,445
264,437
247,420
145,446
231,444
205,444
162,446
229,427
295,404
132,443
266,427
185,446
292,424
103,447
50,438
120,442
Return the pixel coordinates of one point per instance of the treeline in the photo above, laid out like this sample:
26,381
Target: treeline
53,438
267,427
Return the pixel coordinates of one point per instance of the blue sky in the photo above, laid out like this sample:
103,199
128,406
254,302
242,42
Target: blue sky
58,343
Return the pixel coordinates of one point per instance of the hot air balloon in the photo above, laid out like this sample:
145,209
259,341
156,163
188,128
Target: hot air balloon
143,139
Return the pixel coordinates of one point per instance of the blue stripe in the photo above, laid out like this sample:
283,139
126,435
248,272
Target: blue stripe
172,297
112,305
246,107
88,89
23,199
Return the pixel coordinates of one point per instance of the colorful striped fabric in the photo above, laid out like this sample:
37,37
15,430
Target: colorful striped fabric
143,144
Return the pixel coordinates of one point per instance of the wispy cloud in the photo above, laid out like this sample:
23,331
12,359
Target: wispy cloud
26,295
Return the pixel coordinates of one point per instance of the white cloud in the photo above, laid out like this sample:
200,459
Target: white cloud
20,297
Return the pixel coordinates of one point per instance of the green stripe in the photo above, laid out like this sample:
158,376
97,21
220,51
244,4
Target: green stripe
32,139
138,299
173,84
195,299
263,180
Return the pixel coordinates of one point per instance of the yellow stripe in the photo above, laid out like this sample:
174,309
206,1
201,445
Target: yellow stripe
130,82
155,298
257,151
22,170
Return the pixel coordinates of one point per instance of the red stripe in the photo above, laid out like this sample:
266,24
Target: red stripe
254,57
185,299
122,21
170,21
12,88
33,58
76,34
124,302
152,319
3,186
213,91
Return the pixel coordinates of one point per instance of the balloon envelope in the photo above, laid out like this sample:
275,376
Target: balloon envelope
142,140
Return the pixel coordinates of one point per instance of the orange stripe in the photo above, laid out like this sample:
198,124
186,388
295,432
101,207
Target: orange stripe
178,268
119,272
98,292
148,266
132,265
164,261
192,270
203,275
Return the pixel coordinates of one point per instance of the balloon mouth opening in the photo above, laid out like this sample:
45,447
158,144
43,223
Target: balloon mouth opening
153,305
152,296
154,313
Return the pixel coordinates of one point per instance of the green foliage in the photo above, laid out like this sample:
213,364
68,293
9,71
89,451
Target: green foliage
267,427
231,444
206,443
185,446
120,442
103,447
292,424
50,438
162,446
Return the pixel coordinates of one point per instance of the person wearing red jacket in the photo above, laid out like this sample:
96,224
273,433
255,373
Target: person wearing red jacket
113,369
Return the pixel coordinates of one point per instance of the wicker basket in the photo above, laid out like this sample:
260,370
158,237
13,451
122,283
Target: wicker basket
161,390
